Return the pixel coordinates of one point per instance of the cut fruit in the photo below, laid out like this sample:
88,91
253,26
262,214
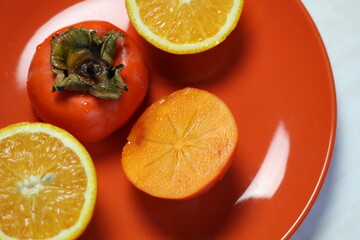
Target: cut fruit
184,26
181,145
47,183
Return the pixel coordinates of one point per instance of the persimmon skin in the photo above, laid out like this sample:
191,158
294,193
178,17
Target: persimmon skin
181,145
88,118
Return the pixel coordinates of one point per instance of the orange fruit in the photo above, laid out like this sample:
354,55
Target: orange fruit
184,26
181,145
47,183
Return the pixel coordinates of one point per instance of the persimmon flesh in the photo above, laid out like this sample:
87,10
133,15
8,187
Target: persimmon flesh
181,145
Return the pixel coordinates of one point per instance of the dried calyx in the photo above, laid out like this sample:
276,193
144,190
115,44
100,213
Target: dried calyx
83,62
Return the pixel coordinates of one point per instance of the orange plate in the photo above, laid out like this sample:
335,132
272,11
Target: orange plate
274,74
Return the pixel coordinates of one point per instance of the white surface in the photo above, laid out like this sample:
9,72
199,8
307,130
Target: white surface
336,212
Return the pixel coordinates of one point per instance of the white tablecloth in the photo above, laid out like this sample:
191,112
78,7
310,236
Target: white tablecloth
336,213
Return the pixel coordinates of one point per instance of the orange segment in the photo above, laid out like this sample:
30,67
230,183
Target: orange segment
184,26
47,183
181,145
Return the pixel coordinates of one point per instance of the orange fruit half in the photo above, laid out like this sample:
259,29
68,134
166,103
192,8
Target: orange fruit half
47,183
184,26
181,145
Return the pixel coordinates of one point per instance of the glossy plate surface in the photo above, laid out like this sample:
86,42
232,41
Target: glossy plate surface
274,74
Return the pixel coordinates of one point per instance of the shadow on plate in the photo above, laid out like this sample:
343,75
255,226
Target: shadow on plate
195,69
202,217
113,144
92,231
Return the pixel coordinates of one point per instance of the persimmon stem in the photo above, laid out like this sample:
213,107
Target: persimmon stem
83,62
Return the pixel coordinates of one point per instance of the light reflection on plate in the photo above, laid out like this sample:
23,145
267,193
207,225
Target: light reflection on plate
272,170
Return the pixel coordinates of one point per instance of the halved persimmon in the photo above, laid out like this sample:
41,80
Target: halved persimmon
181,145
